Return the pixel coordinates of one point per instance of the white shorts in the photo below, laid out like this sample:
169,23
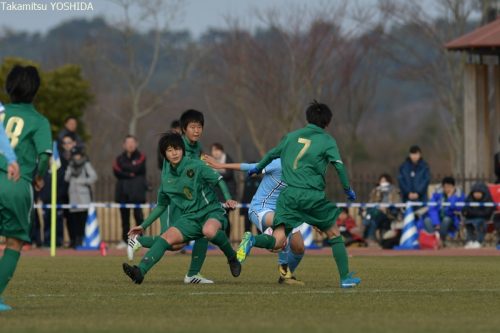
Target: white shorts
258,219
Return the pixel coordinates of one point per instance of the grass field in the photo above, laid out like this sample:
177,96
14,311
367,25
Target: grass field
398,294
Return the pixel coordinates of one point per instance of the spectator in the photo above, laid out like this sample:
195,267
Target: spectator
445,219
175,126
497,166
217,152
68,142
70,127
414,177
130,170
380,219
81,176
349,229
476,217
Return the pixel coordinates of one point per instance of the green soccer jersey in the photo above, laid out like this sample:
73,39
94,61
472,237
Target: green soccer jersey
305,154
29,134
189,186
193,150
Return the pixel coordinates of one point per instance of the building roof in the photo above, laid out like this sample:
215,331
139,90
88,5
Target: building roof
485,37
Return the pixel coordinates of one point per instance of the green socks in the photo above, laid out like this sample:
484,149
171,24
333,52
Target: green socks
222,242
264,241
147,241
154,255
198,256
340,254
8,265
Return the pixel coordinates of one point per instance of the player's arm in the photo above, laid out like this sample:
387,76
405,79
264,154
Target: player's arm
270,156
213,178
233,166
162,204
333,156
43,145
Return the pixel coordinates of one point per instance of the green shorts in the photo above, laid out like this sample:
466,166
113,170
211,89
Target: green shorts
171,214
16,205
298,205
191,225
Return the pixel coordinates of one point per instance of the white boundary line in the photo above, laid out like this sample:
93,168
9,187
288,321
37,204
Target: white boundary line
284,292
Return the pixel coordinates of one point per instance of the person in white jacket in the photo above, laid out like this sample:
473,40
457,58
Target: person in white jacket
81,176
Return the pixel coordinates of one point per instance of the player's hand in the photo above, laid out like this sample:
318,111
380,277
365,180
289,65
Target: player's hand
13,171
211,162
254,171
231,204
351,195
38,183
137,230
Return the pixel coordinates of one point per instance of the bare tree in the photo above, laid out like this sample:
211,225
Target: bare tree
304,54
432,64
154,16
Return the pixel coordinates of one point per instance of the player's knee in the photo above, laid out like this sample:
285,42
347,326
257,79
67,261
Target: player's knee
14,244
298,248
297,244
209,232
333,232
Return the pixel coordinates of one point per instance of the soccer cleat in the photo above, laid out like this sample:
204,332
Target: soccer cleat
197,279
4,307
284,271
245,246
291,281
132,247
234,266
286,277
133,272
350,281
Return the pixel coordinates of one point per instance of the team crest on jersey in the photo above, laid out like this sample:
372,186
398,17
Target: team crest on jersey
190,173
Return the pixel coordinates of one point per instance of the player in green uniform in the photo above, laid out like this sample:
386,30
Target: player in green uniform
192,122
305,155
187,184
30,136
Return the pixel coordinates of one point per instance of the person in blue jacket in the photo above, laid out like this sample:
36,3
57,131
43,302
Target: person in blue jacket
444,218
414,177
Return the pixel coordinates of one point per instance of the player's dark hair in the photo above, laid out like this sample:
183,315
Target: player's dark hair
218,146
415,149
191,116
318,114
175,124
170,139
448,180
22,84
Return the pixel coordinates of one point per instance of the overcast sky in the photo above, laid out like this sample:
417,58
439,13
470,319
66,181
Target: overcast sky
197,15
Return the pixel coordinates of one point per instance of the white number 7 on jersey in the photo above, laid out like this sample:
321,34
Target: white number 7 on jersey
307,144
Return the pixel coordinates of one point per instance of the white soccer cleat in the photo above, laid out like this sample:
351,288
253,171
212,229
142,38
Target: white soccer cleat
197,279
132,247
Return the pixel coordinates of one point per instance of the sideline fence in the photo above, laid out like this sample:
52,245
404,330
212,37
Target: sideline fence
108,216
